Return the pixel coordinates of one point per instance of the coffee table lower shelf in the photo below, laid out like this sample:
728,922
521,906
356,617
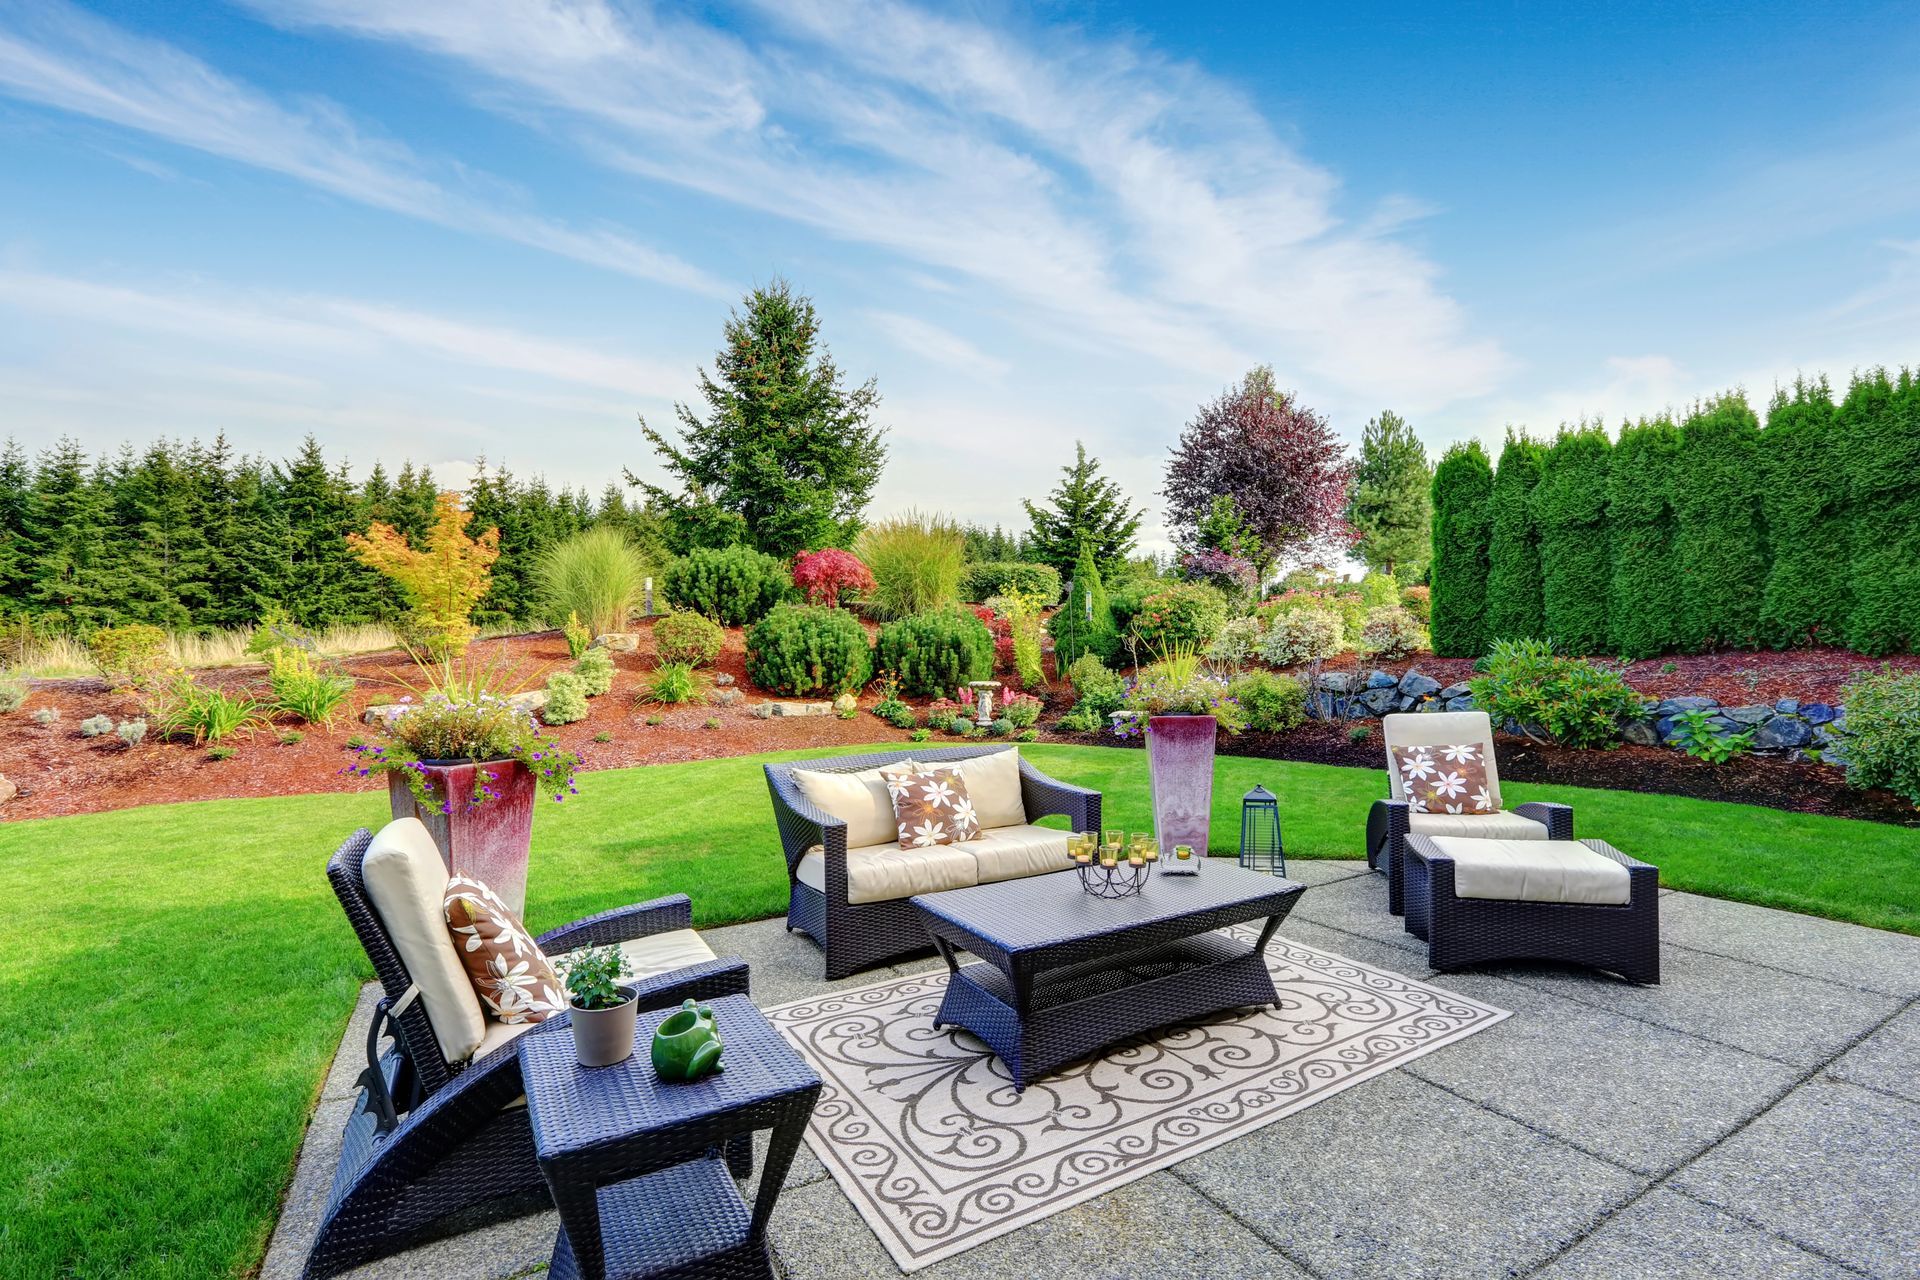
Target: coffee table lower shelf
1072,1011
687,1220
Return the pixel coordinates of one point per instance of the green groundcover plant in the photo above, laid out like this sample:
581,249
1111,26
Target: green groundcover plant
1530,687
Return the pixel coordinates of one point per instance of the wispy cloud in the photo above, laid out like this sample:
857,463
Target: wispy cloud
330,327
930,341
1137,204
60,56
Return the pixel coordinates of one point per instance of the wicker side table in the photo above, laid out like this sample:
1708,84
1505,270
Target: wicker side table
633,1162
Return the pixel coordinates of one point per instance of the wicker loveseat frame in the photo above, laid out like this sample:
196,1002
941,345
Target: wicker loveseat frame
432,1143
860,936
1460,931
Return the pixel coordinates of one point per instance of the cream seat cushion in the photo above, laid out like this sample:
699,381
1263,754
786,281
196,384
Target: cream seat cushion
860,800
1439,729
993,784
661,953
407,883
1477,826
884,872
1535,871
1007,853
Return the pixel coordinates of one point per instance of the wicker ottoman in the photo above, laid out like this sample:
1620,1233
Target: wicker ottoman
1579,901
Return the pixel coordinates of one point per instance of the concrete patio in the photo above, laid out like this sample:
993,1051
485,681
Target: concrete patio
1756,1115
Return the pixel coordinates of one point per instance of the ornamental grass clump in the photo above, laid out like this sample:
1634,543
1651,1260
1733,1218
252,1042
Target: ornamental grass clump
672,683
184,708
597,576
1530,689
916,562
302,690
462,714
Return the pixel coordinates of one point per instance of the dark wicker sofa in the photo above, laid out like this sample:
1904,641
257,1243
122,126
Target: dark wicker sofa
856,936
433,1146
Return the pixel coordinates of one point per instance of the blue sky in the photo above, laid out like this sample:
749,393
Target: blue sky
460,227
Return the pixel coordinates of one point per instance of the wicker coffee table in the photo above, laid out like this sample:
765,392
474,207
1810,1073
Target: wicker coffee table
1063,973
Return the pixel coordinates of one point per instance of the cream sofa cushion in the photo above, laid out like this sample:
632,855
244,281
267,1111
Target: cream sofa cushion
1439,729
1477,826
499,1033
1535,871
860,800
885,872
1007,853
993,784
407,883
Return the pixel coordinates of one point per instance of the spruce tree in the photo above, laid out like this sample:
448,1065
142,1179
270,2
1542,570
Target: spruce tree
1880,447
1570,511
257,569
1085,507
1462,531
1085,623
325,583
1644,597
411,510
1515,606
1720,552
784,447
1390,502
16,542
1805,504
68,524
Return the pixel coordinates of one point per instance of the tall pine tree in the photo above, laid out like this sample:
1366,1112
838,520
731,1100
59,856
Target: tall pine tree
1515,606
1390,501
16,542
70,528
1085,507
1462,534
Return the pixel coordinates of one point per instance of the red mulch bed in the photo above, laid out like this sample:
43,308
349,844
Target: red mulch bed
59,772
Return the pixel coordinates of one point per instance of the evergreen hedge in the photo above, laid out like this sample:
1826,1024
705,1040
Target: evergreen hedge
1570,511
1515,607
1462,494
1643,601
1808,595
1720,551
1879,434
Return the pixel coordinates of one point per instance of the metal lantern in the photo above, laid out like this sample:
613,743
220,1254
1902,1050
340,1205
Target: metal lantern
1260,832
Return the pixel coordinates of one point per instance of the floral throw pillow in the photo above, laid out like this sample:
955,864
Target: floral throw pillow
933,808
511,975
1445,779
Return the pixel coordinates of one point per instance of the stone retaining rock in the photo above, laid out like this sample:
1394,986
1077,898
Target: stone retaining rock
618,642
8,788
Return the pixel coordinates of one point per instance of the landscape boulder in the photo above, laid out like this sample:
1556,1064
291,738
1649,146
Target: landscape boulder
1641,733
1816,713
1674,706
1379,700
1458,689
618,642
1415,685
1462,703
1378,679
1338,681
1783,733
8,788
529,701
1751,714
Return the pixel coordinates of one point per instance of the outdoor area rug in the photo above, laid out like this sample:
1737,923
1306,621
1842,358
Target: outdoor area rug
923,1131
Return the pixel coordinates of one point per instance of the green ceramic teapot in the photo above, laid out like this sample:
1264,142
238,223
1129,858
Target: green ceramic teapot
687,1045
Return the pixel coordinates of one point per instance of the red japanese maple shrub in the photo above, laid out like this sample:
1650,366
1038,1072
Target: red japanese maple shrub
823,575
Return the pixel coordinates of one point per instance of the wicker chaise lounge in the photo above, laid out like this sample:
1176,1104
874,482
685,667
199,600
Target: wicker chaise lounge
440,1129
851,893
1392,820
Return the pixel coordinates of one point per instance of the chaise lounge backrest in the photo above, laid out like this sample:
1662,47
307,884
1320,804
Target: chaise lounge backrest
1440,728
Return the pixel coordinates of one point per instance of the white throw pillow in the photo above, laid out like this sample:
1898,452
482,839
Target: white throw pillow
993,784
861,800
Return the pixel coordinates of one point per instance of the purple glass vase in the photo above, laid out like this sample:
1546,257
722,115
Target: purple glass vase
1180,772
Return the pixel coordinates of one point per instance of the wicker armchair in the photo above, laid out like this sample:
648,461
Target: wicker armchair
856,936
431,1139
1392,820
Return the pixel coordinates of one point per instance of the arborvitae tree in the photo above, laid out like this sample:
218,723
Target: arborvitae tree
1880,446
1515,606
1808,598
16,542
1085,507
1085,623
1644,599
784,446
1462,508
1390,502
1720,552
1570,510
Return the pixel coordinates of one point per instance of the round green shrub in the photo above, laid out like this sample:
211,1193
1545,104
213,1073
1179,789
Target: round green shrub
1010,577
1570,700
1124,599
1882,733
692,638
1302,635
1391,632
1101,691
1180,614
935,653
802,649
731,585
1271,703
566,698
595,670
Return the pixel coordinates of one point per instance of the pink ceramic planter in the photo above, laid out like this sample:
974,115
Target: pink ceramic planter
1180,769
486,841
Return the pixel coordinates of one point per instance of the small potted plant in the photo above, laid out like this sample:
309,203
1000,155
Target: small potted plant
602,1010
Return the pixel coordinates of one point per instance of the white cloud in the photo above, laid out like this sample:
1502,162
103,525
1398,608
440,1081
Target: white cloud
59,56
1140,205
932,342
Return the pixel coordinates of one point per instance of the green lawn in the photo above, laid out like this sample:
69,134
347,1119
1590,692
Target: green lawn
180,973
